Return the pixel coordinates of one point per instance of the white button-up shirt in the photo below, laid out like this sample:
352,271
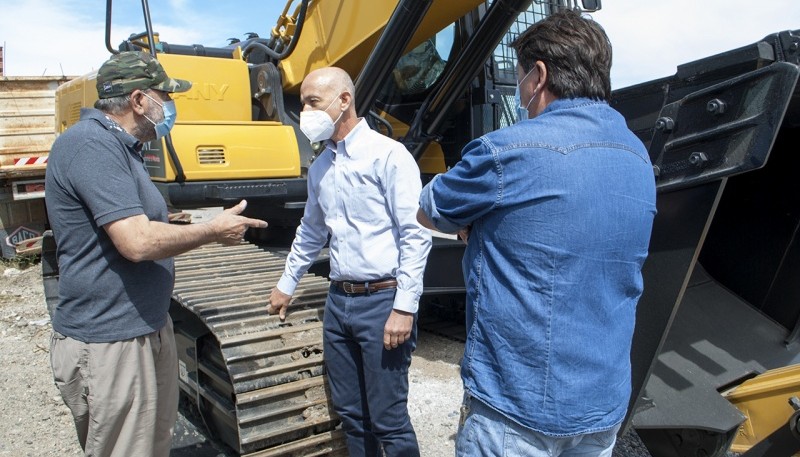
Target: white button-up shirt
364,192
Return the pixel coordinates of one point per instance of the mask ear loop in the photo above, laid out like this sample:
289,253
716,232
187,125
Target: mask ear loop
519,91
154,101
340,116
340,111
535,91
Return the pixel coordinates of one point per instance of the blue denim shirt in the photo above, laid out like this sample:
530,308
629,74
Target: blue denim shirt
561,208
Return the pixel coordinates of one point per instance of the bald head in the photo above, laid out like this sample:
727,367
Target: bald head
331,89
332,79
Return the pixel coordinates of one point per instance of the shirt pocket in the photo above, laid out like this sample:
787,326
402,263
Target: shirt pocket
367,204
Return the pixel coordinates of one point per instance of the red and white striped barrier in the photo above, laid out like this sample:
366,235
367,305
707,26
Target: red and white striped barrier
23,161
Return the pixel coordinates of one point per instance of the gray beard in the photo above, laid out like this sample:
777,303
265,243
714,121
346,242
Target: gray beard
145,130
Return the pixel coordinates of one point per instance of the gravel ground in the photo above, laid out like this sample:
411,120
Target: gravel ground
33,419
35,422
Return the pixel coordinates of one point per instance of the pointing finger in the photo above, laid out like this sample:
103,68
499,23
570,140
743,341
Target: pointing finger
257,223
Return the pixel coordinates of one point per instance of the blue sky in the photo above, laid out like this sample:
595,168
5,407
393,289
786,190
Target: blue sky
46,36
650,38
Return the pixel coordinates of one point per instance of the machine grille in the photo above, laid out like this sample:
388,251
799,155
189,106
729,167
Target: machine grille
211,156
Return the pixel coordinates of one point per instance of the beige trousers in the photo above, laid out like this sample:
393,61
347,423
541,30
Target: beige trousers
123,395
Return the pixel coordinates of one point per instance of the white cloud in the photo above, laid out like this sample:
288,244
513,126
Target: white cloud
53,38
49,38
179,4
651,38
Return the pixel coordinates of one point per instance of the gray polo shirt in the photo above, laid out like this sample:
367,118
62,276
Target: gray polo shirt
96,175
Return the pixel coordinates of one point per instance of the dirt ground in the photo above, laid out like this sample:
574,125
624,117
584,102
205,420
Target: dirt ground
35,422
33,419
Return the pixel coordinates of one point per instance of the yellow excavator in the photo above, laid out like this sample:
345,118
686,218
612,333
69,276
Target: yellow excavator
716,345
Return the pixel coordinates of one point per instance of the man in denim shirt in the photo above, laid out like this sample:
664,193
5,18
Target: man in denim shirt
558,209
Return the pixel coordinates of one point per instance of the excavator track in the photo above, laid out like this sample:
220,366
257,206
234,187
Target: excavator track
257,382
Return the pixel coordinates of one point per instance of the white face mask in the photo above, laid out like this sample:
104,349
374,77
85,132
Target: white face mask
317,125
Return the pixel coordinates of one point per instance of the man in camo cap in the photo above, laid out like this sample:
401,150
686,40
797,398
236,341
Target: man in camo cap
113,349
127,71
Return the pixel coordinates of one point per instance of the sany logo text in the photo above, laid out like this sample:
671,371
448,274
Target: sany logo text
204,91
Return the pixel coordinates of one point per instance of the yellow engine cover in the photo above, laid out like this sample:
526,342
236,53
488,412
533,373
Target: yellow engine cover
213,151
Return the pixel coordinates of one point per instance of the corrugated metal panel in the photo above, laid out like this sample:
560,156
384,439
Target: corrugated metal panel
27,123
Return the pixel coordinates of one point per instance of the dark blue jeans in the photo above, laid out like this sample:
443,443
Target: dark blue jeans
369,385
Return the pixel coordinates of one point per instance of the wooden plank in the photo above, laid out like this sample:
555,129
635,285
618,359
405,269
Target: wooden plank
27,122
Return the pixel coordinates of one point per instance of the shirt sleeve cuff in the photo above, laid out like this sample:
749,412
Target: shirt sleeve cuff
406,301
428,206
286,285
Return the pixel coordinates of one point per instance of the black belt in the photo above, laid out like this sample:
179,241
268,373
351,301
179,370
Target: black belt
364,287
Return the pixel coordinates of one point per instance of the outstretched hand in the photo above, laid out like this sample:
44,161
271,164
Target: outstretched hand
230,227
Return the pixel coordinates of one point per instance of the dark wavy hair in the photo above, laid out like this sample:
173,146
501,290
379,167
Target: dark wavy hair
576,52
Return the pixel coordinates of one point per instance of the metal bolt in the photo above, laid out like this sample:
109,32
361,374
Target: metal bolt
716,106
794,46
665,124
698,158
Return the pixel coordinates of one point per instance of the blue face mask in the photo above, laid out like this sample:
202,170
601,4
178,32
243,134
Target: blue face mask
170,113
522,112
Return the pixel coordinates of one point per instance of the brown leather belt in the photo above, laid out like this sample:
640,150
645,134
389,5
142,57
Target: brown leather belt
364,287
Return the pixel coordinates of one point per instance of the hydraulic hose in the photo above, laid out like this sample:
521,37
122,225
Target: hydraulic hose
261,43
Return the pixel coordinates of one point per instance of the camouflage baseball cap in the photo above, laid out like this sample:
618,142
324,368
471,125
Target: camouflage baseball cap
130,70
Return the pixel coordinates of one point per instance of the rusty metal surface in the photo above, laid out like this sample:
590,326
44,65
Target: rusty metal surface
27,123
263,378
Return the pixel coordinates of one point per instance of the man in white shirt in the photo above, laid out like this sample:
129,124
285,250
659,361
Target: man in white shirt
363,192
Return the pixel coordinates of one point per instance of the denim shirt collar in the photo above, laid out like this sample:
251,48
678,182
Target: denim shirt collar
570,103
